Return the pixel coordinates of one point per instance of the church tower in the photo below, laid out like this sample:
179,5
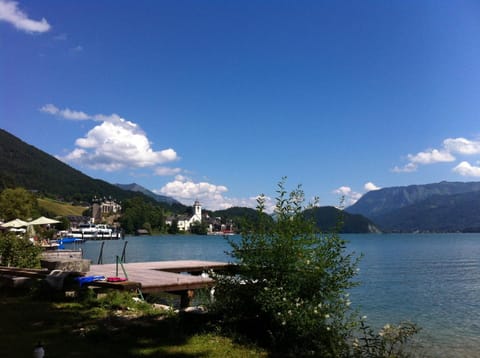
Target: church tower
197,209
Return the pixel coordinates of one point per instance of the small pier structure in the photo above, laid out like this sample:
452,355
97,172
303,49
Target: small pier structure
180,277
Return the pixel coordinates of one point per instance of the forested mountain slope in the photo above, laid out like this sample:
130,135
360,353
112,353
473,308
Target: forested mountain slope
440,207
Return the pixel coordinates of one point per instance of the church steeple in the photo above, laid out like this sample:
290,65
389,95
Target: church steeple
197,209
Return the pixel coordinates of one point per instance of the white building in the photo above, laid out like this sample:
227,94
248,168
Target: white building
105,207
184,222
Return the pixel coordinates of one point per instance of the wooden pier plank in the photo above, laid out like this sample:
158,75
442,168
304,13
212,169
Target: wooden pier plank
162,276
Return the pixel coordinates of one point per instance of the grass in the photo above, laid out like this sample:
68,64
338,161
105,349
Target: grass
60,208
113,327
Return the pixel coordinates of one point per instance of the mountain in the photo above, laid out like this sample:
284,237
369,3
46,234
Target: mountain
140,189
327,217
23,165
439,207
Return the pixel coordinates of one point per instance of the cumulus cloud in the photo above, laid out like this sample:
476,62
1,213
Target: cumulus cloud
462,146
9,12
114,144
184,189
450,148
211,196
431,156
350,196
467,170
370,186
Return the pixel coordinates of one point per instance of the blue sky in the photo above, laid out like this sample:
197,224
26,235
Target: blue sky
218,100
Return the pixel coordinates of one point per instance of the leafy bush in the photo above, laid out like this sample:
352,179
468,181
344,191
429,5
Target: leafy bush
17,251
290,291
388,343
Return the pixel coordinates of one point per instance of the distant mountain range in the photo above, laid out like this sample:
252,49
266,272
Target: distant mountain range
440,207
140,189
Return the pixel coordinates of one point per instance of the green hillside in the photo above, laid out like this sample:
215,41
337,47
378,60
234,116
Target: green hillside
58,208
327,218
22,165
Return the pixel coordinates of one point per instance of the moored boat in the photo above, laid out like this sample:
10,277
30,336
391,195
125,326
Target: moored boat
93,232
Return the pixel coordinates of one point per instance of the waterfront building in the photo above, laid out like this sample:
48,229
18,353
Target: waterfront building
184,222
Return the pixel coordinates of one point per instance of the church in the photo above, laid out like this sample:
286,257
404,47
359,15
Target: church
184,222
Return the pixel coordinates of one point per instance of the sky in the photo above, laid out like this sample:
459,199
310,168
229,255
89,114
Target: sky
219,100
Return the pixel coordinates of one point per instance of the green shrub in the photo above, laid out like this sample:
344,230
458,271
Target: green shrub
290,291
18,251
390,342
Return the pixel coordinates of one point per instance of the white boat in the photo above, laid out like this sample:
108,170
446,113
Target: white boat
103,229
94,232
84,231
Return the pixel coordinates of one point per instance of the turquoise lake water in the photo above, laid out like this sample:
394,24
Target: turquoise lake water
430,279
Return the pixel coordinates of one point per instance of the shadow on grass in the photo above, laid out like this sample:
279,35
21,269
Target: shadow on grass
74,329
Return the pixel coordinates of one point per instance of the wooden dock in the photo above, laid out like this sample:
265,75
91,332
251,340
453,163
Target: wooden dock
179,277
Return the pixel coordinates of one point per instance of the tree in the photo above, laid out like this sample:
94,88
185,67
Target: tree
290,290
137,212
173,228
199,228
18,251
17,203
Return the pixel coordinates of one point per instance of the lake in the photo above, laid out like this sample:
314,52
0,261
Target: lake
430,279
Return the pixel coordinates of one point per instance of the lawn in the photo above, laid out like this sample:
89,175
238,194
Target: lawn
110,327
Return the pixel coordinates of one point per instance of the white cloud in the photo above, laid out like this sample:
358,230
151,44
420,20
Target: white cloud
65,113
431,156
211,196
370,186
114,144
185,189
49,108
350,196
110,147
408,168
467,170
462,146
446,154
343,190
166,171
10,13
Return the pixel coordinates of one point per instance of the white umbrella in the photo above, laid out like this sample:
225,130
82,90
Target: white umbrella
42,220
15,223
